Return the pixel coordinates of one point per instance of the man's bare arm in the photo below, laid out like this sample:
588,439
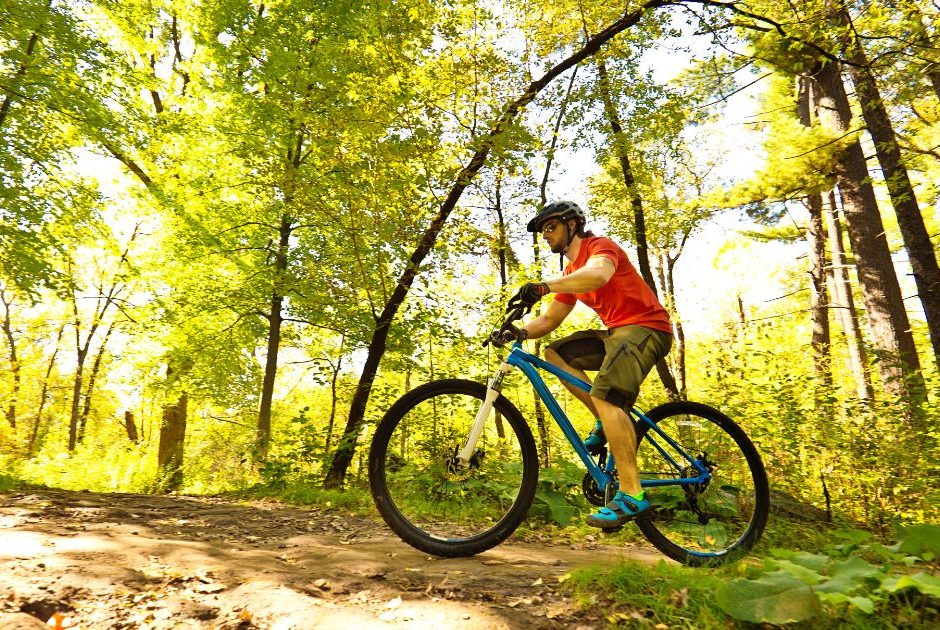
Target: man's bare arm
593,275
555,313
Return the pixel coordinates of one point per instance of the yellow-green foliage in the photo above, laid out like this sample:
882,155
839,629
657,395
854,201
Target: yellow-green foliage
798,158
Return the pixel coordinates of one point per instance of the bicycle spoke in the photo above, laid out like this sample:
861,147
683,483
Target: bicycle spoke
700,522
432,498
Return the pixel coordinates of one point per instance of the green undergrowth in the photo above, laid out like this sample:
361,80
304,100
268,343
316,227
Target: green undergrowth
838,578
352,498
8,483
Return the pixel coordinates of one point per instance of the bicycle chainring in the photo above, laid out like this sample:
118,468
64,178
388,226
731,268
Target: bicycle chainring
591,492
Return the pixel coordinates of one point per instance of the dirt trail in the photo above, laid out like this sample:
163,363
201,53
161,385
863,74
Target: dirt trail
143,561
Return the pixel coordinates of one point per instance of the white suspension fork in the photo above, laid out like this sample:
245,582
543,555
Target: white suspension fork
493,387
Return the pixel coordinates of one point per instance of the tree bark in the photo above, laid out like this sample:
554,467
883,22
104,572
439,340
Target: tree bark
844,304
636,204
14,360
130,426
334,377
816,239
43,396
275,318
376,349
891,335
920,250
170,450
18,77
666,267
95,367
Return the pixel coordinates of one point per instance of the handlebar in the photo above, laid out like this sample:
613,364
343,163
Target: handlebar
512,315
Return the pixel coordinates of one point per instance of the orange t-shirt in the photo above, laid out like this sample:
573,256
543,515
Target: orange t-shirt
626,299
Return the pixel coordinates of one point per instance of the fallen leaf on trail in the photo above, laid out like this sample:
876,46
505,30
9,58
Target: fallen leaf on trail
525,601
538,582
564,577
679,599
60,621
245,615
559,610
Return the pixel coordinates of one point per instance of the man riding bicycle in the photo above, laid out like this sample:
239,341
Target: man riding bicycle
638,335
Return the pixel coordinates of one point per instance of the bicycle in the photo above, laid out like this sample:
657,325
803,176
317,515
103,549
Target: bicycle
452,479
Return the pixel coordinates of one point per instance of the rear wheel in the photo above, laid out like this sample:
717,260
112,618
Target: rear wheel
431,500
708,523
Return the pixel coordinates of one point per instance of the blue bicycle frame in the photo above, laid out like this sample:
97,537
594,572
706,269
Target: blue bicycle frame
529,362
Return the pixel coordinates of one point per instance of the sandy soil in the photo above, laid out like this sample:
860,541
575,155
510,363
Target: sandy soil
144,561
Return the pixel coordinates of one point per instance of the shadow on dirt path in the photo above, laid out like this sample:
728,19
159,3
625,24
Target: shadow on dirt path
134,561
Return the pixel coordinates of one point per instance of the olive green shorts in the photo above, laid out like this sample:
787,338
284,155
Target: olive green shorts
622,357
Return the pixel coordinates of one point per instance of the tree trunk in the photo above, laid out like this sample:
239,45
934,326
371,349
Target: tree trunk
172,439
333,378
502,245
666,267
816,239
14,360
131,426
845,304
20,73
95,366
636,204
43,396
891,336
344,453
275,319
76,396
916,239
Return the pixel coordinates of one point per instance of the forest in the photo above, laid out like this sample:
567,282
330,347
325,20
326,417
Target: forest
235,232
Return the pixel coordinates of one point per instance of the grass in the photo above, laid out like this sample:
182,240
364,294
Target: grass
353,498
8,483
634,594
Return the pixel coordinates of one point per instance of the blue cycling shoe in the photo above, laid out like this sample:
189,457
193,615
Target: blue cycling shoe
595,439
622,509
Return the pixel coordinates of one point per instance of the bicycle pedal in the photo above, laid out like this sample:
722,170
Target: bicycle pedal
611,530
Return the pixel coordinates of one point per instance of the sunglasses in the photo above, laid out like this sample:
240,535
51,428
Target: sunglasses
548,228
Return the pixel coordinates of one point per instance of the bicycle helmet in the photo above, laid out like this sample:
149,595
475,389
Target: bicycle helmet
562,210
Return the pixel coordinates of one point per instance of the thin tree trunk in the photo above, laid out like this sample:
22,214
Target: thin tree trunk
44,395
95,367
916,239
845,304
502,245
18,77
636,204
816,239
275,319
891,335
14,360
666,267
333,379
376,349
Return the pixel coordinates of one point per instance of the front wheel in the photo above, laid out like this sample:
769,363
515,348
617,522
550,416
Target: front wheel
707,523
436,503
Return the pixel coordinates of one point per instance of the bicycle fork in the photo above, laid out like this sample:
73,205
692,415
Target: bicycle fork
493,387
